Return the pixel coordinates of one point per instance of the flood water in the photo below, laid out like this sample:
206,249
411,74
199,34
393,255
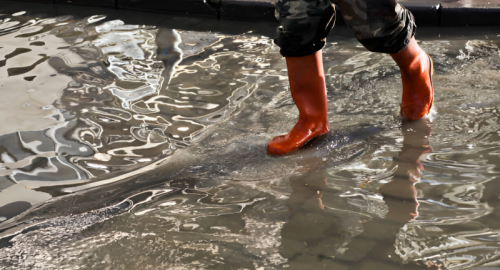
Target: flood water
130,146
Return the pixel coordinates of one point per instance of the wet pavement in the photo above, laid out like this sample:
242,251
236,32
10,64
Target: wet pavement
130,145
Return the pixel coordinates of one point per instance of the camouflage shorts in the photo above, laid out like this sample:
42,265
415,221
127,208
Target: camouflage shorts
380,25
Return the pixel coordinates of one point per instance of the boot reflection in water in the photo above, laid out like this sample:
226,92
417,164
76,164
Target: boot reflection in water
301,36
323,237
400,195
307,191
312,232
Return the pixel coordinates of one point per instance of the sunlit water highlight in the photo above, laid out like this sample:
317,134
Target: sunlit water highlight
144,148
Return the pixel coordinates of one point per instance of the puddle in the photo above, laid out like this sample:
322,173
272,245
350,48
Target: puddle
134,146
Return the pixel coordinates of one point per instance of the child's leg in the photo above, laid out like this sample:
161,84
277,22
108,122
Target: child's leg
387,27
304,26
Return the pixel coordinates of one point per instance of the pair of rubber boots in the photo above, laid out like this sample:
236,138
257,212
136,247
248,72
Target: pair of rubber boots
307,85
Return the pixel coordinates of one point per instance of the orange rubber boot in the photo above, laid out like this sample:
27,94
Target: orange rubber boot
416,73
307,85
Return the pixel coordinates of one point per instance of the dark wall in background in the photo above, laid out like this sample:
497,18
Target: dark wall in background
426,12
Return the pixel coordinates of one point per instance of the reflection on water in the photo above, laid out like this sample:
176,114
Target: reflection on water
400,194
102,100
169,128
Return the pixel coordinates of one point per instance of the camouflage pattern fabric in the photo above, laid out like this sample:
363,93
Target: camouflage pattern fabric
380,25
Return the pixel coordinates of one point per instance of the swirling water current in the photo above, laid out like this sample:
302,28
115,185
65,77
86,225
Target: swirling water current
142,147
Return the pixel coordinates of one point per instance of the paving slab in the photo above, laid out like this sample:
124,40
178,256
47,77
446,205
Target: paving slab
305,261
357,250
376,265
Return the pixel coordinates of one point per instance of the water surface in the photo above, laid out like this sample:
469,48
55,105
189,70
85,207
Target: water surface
135,146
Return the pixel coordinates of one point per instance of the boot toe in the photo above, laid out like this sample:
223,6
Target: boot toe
414,111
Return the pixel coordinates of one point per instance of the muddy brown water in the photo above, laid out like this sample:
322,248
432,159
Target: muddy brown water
130,146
